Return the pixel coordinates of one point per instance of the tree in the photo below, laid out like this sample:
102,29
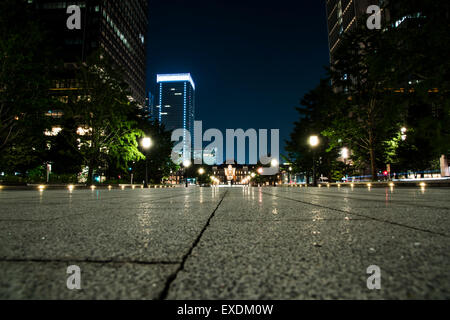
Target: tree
364,112
422,67
313,120
24,85
160,164
64,153
102,109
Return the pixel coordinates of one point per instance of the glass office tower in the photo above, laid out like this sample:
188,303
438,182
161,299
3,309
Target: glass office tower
176,101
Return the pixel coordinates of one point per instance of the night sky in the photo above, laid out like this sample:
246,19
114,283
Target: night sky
251,61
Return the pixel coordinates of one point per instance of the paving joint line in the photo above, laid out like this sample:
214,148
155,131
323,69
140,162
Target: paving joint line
94,261
394,202
164,293
360,215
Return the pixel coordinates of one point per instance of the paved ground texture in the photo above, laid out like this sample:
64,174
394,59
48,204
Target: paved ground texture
225,243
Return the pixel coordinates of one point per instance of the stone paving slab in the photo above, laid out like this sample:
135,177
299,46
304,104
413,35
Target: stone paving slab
313,260
417,215
152,234
99,281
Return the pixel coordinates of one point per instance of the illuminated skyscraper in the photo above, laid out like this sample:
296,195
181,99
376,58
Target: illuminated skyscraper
176,99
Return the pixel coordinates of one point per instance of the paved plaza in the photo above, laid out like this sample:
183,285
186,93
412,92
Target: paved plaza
225,243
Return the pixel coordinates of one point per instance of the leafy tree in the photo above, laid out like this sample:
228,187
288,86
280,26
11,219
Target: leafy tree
23,87
64,154
160,165
422,68
102,108
313,120
364,112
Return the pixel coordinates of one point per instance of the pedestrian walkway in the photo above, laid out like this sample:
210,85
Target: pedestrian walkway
225,243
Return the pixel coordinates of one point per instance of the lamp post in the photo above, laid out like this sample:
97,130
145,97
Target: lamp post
314,142
201,171
146,144
274,164
289,176
186,164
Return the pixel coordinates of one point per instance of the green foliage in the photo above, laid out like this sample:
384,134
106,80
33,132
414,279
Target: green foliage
23,87
37,175
159,160
64,154
63,178
102,107
382,81
314,119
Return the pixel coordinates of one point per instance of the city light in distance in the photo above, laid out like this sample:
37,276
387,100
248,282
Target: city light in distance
201,171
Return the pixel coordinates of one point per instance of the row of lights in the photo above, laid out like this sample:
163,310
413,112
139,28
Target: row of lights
352,185
245,180
72,187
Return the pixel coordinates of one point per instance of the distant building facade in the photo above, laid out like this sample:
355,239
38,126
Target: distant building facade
151,107
342,17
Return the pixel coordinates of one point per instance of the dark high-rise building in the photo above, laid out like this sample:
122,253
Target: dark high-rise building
117,26
176,101
342,17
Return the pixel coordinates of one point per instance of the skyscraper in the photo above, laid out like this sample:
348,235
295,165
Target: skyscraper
117,26
176,101
342,17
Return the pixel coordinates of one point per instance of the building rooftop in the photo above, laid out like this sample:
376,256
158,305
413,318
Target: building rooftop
175,77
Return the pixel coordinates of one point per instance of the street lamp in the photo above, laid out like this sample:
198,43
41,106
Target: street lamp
201,171
403,131
274,163
344,153
146,144
314,142
186,164
290,170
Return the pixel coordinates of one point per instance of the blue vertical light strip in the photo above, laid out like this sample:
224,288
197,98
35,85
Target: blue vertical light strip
160,102
184,119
